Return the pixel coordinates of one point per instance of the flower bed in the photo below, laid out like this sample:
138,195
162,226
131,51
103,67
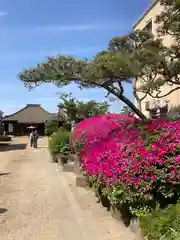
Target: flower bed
98,129
136,166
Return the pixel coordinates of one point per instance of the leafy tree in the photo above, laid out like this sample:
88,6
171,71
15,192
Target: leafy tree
151,63
106,71
143,54
168,66
169,19
129,59
74,109
50,127
126,110
133,58
98,73
91,108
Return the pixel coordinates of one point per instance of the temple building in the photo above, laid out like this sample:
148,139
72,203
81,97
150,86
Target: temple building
18,123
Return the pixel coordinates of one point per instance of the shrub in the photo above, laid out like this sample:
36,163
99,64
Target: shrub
136,165
66,126
162,224
50,127
5,138
59,142
98,129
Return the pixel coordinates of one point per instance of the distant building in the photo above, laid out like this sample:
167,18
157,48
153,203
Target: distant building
150,106
32,115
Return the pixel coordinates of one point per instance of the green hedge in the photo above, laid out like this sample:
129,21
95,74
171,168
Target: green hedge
5,138
59,142
162,224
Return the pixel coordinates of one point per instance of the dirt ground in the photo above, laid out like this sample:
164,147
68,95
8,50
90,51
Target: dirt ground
39,202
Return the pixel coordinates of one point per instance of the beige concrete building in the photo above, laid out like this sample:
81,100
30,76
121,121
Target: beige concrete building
147,22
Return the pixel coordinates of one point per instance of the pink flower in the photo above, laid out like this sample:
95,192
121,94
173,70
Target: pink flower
178,159
115,149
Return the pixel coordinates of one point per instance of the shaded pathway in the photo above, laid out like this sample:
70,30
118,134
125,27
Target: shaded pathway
39,202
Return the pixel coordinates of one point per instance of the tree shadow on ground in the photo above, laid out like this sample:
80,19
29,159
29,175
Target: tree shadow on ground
4,174
4,147
3,210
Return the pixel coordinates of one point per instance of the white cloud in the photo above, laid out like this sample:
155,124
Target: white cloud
56,29
77,28
65,28
3,13
11,56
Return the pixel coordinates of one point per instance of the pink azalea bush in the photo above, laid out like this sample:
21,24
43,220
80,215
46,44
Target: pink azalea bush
97,129
135,164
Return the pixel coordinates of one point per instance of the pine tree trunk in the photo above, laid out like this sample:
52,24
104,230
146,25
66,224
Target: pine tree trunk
132,106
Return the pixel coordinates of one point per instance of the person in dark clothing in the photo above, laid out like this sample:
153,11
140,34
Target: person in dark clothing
35,139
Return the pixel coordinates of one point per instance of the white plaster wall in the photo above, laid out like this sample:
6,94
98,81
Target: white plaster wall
173,98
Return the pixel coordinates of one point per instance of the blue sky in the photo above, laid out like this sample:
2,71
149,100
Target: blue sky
32,30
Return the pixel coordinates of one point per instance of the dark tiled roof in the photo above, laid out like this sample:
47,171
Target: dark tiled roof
32,113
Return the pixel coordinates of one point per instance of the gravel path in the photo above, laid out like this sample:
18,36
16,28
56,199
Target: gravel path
39,202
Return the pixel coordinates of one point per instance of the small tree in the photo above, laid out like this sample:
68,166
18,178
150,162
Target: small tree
75,108
148,64
50,127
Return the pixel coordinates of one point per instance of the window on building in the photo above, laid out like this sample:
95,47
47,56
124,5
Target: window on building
147,106
148,27
153,113
163,112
